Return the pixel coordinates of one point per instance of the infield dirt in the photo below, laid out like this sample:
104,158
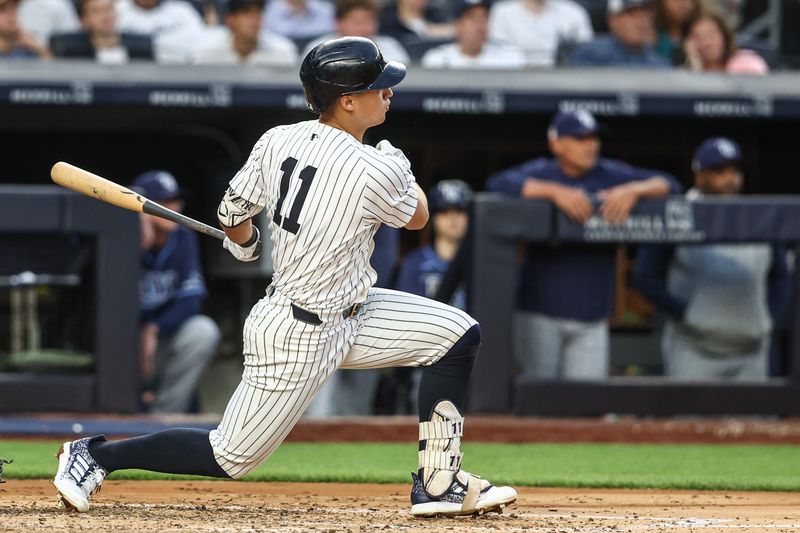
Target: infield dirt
246,506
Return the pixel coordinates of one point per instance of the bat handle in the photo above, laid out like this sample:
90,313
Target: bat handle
152,208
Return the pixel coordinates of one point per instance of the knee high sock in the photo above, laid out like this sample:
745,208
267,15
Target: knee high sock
448,378
173,451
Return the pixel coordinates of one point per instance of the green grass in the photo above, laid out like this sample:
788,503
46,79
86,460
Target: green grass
719,467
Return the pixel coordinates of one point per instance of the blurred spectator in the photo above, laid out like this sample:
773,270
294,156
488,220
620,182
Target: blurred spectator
539,27
710,46
359,18
299,19
100,39
630,42
43,18
175,26
720,299
567,292
403,19
673,18
472,48
176,342
243,41
14,42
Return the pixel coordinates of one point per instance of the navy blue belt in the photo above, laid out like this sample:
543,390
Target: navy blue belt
304,315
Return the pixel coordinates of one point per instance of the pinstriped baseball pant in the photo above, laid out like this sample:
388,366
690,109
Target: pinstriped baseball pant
286,361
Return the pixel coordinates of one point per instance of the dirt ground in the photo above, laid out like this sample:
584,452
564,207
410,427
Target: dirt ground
242,506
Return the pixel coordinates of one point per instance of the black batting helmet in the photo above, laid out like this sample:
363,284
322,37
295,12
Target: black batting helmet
346,65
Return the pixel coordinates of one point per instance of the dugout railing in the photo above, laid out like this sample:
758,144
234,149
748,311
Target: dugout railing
499,224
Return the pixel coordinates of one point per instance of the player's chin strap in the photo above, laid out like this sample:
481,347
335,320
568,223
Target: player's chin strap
440,454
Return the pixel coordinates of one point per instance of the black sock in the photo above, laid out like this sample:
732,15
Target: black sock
174,451
448,378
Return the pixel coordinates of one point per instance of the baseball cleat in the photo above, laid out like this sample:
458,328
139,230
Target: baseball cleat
79,476
468,495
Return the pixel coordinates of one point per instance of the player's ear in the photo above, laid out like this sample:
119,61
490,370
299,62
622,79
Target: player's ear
348,102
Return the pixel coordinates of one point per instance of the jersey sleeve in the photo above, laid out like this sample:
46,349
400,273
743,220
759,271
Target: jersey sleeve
390,193
246,196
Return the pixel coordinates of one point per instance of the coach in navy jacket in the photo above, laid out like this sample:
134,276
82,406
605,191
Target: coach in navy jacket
567,292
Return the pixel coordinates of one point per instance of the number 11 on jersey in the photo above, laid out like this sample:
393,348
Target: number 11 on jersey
290,223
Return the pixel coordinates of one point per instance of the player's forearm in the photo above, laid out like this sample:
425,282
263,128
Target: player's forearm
421,215
533,188
242,233
655,187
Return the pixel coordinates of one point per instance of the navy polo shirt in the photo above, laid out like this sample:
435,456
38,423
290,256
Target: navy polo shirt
611,52
570,281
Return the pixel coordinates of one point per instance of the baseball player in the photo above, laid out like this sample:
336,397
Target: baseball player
325,194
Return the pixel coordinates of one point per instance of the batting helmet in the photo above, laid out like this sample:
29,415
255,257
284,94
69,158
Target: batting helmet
347,65
449,194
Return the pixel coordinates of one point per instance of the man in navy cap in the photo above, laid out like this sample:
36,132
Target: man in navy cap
630,43
176,342
567,292
720,299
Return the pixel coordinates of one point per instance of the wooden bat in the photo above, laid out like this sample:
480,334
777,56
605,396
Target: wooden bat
85,182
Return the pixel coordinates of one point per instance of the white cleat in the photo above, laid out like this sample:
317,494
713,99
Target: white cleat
78,476
467,495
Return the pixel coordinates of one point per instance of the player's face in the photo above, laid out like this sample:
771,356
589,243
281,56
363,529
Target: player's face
633,27
161,224
472,29
709,41
370,107
358,23
245,24
578,153
723,181
450,224
99,17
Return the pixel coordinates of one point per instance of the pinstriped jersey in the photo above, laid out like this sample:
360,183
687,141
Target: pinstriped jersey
325,195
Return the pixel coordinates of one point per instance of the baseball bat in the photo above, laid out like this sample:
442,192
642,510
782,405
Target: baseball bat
85,182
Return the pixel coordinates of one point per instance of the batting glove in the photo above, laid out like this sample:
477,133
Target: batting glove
249,251
386,148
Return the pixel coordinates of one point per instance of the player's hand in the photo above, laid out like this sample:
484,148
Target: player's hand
242,252
385,147
618,202
574,203
148,342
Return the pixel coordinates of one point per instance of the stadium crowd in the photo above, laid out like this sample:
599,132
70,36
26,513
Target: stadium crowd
698,35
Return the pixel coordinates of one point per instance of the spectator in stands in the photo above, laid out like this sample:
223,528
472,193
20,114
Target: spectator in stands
720,299
100,39
43,18
630,42
710,47
299,19
177,342
414,20
15,43
566,294
472,48
359,18
177,29
673,18
243,41
539,27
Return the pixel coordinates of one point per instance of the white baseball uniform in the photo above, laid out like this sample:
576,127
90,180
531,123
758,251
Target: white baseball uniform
325,194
